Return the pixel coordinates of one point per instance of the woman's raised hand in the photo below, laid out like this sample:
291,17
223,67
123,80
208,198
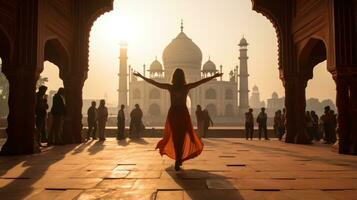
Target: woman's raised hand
137,74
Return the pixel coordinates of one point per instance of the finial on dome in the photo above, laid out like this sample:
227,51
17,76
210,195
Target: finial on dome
155,57
209,57
181,25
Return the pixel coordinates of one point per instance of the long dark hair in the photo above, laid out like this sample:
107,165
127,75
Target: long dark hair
178,78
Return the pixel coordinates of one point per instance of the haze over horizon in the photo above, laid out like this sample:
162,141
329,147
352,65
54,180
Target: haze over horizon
215,27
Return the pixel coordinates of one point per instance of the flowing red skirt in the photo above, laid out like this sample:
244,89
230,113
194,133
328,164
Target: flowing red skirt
180,141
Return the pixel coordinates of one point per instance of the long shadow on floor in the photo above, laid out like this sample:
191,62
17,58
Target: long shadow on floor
34,168
281,150
139,141
123,142
81,147
96,147
204,185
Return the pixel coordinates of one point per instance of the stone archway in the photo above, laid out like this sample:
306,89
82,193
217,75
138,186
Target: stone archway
229,94
210,94
154,110
136,94
55,52
154,94
4,58
212,110
229,111
313,53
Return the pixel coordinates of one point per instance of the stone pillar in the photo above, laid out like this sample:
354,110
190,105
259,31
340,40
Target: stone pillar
353,114
73,120
21,118
295,103
342,98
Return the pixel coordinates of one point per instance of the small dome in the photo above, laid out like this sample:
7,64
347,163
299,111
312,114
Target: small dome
274,95
243,42
209,66
156,66
255,88
182,50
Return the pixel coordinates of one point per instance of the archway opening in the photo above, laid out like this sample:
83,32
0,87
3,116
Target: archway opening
210,94
155,110
4,84
314,65
229,111
154,94
312,61
4,95
212,110
145,41
55,65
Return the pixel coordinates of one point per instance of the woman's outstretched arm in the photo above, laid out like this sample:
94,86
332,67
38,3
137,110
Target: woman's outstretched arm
157,84
202,81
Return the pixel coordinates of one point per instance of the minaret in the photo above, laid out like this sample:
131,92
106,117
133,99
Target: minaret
243,76
123,76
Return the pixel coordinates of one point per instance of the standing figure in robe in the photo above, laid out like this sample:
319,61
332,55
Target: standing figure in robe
136,123
180,142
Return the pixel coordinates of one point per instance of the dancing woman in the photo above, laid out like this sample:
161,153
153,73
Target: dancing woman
180,141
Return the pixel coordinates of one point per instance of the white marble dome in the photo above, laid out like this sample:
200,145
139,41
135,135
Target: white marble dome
209,66
156,66
182,51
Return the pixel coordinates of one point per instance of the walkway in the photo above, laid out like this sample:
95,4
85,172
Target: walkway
227,169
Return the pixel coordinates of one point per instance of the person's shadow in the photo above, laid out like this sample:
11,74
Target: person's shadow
123,142
96,147
139,141
204,185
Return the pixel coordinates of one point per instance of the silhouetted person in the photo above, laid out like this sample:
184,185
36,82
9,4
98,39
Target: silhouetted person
41,115
327,125
136,124
279,124
315,122
92,121
180,141
207,122
199,119
58,112
121,123
262,124
284,121
249,124
309,125
333,118
102,119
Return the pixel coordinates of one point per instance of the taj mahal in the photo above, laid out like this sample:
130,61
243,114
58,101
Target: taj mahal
224,99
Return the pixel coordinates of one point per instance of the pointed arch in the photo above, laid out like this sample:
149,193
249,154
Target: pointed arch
210,94
212,110
55,53
313,53
136,94
154,94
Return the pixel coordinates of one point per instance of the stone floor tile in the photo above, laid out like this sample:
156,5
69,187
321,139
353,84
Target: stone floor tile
116,184
169,195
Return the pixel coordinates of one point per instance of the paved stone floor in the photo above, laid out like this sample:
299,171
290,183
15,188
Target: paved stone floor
227,169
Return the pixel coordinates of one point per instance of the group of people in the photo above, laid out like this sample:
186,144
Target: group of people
323,127
316,128
136,127
97,119
204,121
262,124
49,128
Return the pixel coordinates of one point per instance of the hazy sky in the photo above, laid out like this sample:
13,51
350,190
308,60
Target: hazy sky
149,25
